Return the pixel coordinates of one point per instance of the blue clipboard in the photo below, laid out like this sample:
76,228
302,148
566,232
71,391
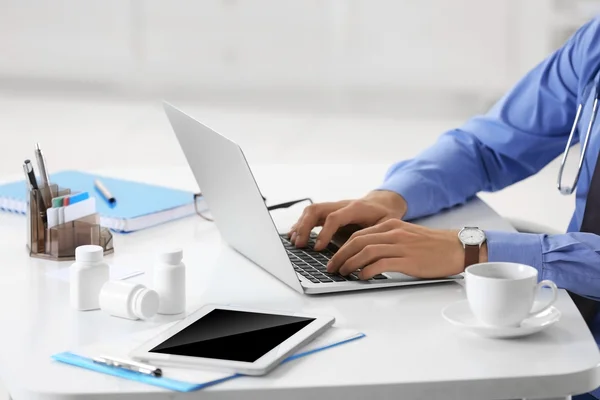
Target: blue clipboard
166,383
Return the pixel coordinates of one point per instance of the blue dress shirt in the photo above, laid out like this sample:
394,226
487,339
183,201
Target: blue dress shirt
522,133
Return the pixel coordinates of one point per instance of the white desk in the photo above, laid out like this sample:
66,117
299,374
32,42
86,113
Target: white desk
410,352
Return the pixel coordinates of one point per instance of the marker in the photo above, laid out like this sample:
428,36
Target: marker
32,183
110,199
30,175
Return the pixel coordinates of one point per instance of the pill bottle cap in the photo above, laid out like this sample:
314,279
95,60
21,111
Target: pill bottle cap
172,257
89,253
145,304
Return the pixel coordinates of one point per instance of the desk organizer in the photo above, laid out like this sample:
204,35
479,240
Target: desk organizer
59,242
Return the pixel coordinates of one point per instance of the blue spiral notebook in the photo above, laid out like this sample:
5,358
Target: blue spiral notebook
188,380
138,205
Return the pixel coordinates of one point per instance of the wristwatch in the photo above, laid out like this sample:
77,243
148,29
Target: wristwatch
471,238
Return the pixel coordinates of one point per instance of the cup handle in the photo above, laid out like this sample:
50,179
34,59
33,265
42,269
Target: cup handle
538,287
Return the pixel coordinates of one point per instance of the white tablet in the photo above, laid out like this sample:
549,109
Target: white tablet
234,339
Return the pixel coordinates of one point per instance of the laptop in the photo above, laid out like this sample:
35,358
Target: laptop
241,215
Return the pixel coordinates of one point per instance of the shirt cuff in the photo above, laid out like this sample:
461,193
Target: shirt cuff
524,248
414,192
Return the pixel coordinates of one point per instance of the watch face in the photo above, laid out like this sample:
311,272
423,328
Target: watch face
472,236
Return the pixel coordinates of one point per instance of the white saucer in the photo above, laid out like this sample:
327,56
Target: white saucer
459,314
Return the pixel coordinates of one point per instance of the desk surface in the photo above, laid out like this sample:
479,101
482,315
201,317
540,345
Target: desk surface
409,348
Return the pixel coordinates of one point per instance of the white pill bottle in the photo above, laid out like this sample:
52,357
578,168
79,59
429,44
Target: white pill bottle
169,282
128,300
87,276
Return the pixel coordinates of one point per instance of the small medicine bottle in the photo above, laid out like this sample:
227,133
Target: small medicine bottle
128,300
169,282
87,275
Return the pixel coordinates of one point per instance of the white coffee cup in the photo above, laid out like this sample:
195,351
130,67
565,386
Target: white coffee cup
502,294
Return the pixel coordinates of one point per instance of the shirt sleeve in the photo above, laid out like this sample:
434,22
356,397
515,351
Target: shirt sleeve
570,260
523,132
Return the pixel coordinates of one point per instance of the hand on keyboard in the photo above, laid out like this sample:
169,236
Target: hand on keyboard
312,264
398,246
374,208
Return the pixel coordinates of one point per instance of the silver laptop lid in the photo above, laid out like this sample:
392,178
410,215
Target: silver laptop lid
231,193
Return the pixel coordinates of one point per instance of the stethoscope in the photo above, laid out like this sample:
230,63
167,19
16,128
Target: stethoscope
566,190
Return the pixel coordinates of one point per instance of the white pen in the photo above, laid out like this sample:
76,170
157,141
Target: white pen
106,195
130,365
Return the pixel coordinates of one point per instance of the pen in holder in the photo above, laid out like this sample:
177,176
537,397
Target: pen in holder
59,242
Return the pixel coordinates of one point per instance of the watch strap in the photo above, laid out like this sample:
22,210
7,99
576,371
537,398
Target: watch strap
471,255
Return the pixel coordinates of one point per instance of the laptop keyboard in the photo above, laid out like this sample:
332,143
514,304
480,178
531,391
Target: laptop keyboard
312,264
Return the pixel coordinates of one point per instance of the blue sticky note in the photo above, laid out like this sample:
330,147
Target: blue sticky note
76,198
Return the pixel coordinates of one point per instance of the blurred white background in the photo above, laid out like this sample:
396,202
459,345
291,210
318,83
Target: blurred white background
331,50
334,51
304,81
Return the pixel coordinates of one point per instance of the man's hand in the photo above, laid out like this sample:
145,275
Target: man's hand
376,207
398,246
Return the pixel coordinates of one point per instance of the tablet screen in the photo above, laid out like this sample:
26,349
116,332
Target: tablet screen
232,335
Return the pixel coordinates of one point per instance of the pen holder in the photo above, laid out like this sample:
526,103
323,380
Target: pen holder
59,242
